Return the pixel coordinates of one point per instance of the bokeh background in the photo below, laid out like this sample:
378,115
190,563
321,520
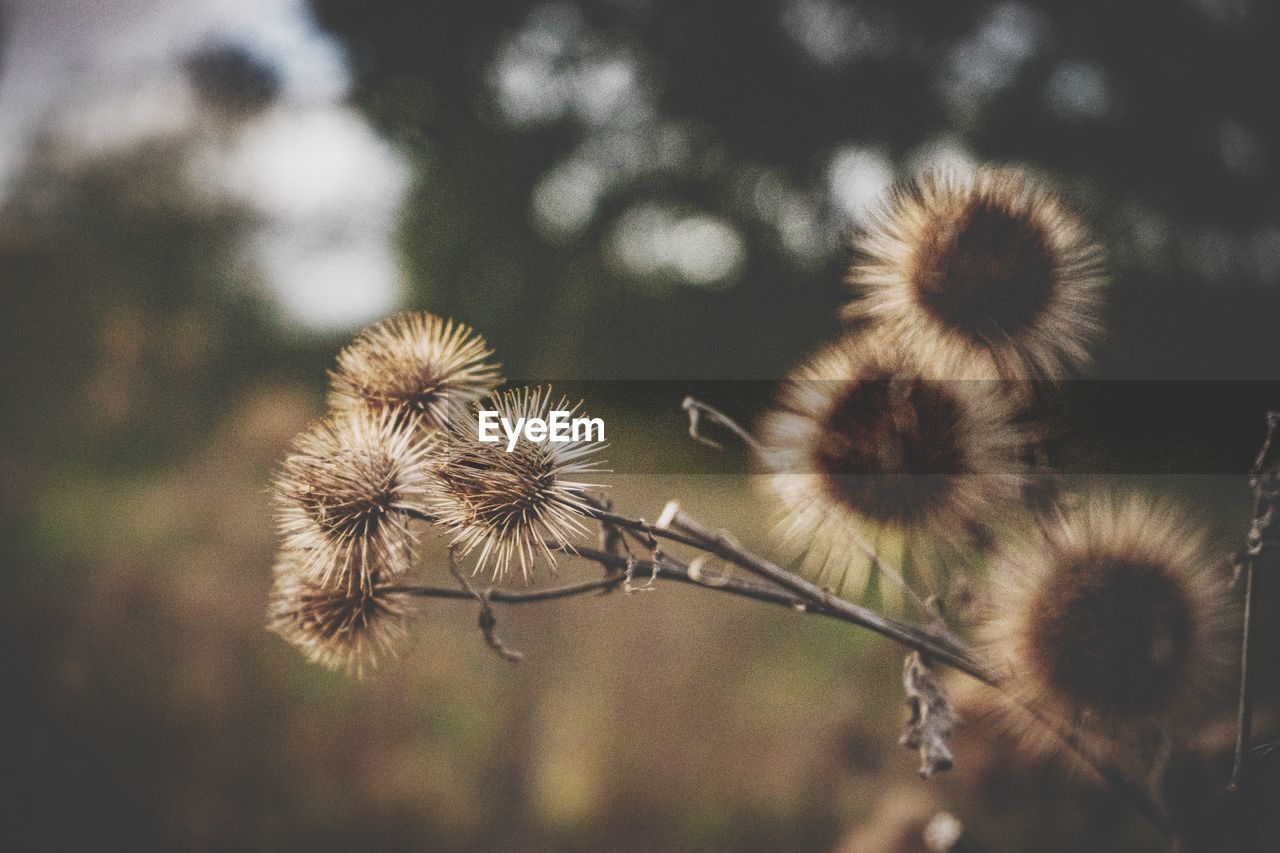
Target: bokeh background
201,200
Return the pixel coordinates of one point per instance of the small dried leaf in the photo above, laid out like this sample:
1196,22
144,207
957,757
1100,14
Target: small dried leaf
932,717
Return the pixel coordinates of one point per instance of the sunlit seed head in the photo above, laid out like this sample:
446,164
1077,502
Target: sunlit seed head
416,366
506,506
867,438
986,263
343,629
1114,621
343,493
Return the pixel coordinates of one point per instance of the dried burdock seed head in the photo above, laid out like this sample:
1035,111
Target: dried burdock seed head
415,365
342,494
342,629
985,263
1116,621
868,439
508,504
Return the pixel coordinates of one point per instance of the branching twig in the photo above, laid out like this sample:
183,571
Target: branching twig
819,602
668,568
641,526
696,409
488,622
784,589
512,596
941,646
611,538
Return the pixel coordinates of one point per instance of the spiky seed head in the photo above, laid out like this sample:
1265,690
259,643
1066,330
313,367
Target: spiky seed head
416,365
866,439
507,505
349,629
1115,621
986,263
343,493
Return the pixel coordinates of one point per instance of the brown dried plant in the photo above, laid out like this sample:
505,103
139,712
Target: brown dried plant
985,264
512,507
416,365
868,438
1100,627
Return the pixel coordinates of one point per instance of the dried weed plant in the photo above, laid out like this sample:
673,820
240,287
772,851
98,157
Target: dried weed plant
1101,625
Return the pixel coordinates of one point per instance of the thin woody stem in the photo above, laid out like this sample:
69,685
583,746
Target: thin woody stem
696,410
487,621
701,539
940,644
508,596
664,568
595,508
1244,709
1265,481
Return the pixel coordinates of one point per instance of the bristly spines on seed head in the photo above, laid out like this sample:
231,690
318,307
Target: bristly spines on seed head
867,438
516,507
1115,621
347,629
416,365
344,494
985,263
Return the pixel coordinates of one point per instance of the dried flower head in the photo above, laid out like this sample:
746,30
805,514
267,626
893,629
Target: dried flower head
509,504
1116,621
346,629
342,495
866,440
985,263
416,365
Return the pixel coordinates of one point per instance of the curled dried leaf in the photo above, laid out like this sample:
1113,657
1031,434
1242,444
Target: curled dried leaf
932,717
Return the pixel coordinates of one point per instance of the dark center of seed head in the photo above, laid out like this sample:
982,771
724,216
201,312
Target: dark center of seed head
1114,634
889,448
987,274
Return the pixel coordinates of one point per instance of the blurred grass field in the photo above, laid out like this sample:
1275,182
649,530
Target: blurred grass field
156,707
